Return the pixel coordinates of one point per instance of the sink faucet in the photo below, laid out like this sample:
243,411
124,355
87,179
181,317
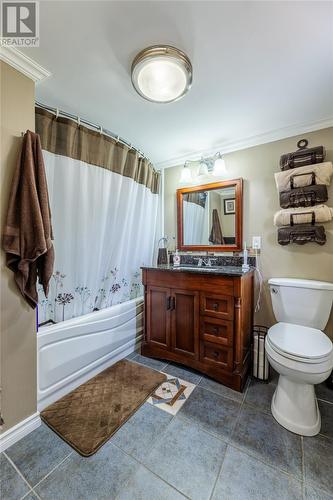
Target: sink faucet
205,261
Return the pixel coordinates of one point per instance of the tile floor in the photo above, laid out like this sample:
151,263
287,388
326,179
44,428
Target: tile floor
220,445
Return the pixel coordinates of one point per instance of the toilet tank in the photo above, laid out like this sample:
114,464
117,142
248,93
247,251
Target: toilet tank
302,302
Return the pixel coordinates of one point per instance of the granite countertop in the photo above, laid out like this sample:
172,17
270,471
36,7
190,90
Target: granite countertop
216,270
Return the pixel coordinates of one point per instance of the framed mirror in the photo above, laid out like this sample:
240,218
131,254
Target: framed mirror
210,216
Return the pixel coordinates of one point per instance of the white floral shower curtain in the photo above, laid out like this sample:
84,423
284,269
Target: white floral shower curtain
105,226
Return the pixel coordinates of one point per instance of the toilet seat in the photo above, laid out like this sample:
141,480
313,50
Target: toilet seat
299,343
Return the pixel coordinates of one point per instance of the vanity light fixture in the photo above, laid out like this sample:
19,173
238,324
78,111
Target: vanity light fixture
219,166
203,168
213,165
161,73
186,175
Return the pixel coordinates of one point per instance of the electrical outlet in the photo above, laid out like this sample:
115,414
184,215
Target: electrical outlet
256,242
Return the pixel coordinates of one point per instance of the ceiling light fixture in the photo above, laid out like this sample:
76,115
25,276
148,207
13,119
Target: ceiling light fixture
161,73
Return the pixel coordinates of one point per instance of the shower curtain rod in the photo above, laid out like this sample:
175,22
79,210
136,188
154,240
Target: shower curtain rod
102,130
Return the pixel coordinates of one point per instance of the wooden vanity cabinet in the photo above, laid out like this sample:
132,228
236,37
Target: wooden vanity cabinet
201,321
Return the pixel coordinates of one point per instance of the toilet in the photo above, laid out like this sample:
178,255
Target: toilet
299,351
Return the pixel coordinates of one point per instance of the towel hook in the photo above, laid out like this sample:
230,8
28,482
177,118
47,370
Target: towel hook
302,144
78,121
101,129
57,113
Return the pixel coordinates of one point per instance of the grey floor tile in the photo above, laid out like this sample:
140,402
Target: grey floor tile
259,394
188,458
318,460
100,476
324,392
183,373
38,453
132,355
245,478
146,486
156,364
312,493
326,411
141,431
215,413
222,390
12,486
260,435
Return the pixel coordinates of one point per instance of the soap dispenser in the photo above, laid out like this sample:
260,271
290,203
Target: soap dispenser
176,259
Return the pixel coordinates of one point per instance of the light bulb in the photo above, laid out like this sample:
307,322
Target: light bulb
219,167
185,175
203,169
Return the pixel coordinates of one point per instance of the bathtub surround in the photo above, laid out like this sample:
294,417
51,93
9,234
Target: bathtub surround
18,329
104,202
257,165
27,235
87,417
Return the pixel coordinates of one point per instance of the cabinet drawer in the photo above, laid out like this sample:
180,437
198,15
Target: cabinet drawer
216,355
219,331
218,306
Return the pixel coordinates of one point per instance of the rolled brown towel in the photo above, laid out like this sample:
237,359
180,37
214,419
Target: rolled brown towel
301,234
306,196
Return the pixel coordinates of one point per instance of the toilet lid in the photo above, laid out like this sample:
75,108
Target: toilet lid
300,341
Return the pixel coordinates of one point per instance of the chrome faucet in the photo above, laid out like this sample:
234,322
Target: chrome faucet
205,261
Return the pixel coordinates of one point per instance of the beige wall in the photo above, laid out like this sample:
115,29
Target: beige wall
18,330
257,165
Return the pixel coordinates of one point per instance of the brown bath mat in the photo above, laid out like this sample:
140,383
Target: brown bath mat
88,416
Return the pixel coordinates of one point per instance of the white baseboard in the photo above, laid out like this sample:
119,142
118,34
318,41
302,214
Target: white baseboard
18,431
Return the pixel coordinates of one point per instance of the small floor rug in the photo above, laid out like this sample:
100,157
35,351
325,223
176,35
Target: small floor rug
88,416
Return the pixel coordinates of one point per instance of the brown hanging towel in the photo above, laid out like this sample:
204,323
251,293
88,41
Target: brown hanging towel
216,236
27,232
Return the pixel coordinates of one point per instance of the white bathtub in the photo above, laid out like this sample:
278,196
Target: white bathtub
73,351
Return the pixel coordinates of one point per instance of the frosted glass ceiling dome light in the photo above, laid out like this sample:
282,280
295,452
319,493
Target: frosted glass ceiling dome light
161,73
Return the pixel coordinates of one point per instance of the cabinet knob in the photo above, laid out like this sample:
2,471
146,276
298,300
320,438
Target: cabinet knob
215,306
216,329
216,354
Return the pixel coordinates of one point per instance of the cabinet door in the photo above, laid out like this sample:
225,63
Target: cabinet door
158,316
185,322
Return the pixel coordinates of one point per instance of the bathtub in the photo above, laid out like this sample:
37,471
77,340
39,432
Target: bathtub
71,352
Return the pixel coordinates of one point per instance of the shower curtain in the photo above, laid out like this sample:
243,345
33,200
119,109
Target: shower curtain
195,219
104,205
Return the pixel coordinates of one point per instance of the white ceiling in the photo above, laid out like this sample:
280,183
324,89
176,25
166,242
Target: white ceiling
260,69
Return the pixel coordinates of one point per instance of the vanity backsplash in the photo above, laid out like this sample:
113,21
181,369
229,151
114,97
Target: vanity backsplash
221,260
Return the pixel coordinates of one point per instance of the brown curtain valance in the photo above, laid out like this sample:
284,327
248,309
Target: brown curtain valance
197,198
65,137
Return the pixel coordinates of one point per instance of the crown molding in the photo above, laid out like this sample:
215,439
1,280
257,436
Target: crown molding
248,142
24,64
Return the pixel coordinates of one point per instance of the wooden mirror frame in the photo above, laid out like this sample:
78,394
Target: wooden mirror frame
238,246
